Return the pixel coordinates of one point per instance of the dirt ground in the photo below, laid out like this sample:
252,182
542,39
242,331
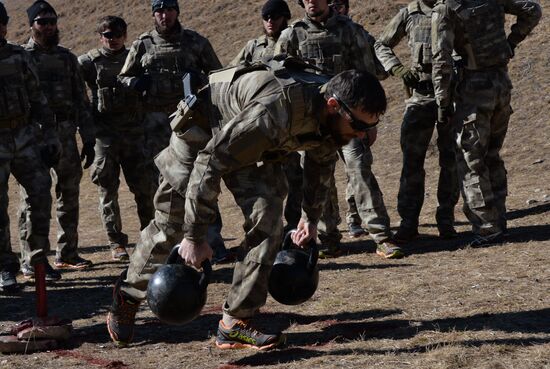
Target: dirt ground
444,306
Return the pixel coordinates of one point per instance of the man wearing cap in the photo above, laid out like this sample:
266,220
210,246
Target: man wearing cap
28,139
62,82
334,43
120,137
154,68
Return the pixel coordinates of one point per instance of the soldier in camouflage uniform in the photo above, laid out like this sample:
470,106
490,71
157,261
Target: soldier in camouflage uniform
24,120
476,31
415,22
335,43
119,136
62,83
256,127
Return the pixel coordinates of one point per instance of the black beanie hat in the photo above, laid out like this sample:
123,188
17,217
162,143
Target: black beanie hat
38,7
276,7
162,4
3,14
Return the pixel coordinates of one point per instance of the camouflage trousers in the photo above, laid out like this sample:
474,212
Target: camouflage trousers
293,206
19,155
113,153
157,137
416,132
261,203
363,192
66,175
480,123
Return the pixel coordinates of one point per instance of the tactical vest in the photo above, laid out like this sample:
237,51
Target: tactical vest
112,96
166,63
485,37
262,49
322,48
419,38
14,100
55,72
298,87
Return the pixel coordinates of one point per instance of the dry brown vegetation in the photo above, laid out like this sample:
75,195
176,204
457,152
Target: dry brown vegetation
443,307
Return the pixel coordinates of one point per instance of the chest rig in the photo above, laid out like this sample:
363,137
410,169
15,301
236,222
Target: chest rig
419,27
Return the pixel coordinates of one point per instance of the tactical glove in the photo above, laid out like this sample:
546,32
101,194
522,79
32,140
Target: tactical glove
143,83
87,153
410,77
512,47
444,113
50,150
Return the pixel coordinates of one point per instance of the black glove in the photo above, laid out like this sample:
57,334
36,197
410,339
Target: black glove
444,113
87,153
410,77
143,83
512,47
50,155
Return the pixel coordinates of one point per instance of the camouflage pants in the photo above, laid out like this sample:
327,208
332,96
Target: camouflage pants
157,137
367,196
416,132
66,175
480,123
329,234
293,206
111,154
262,205
19,156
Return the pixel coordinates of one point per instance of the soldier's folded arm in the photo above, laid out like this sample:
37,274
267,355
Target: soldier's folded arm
132,70
528,13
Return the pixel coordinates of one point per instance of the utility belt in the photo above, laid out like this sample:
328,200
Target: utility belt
425,87
13,123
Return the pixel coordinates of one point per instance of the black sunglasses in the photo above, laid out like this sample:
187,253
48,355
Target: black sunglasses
46,21
271,16
112,34
356,124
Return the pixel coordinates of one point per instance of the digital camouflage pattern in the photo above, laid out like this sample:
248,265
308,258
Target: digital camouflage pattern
119,143
336,45
62,82
475,30
23,113
414,22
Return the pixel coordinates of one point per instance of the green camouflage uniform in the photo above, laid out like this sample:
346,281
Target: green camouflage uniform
261,48
164,60
336,45
119,141
64,88
476,31
257,127
414,22
23,108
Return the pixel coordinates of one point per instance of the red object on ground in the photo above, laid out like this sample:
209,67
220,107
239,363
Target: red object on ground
41,297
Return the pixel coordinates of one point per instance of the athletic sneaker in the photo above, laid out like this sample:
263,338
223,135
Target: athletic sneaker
355,230
486,240
52,275
243,335
8,282
122,316
76,262
119,253
389,250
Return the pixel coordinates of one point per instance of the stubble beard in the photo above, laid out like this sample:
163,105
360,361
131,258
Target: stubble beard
44,40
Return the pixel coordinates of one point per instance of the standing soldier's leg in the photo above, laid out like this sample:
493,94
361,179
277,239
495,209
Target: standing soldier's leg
294,175
353,219
157,136
9,264
329,235
67,174
416,132
105,174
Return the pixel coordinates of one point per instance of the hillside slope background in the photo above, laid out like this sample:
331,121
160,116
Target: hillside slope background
444,306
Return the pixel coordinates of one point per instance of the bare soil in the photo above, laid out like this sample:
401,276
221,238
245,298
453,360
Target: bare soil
443,306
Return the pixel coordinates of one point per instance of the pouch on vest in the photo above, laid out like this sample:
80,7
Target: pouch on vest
14,100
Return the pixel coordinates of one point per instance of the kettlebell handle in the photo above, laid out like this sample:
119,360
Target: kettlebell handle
175,258
312,246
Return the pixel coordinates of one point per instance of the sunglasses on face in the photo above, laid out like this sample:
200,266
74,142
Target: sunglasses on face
112,34
356,124
46,21
273,17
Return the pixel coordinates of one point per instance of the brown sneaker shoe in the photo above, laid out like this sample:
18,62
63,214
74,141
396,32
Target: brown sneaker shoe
119,253
242,335
389,250
75,262
122,316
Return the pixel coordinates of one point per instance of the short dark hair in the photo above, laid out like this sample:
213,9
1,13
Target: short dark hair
358,89
113,23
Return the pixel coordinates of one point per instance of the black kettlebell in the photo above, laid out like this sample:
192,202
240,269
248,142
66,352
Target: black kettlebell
176,292
295,275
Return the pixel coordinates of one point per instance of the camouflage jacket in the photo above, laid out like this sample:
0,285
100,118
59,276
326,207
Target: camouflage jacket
115,106
259,124
475,30
63,85
336,45
21,97
415,22
261,48
164,60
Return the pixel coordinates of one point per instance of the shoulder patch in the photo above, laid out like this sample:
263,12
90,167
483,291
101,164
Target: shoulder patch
413,7
300,23
145,35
